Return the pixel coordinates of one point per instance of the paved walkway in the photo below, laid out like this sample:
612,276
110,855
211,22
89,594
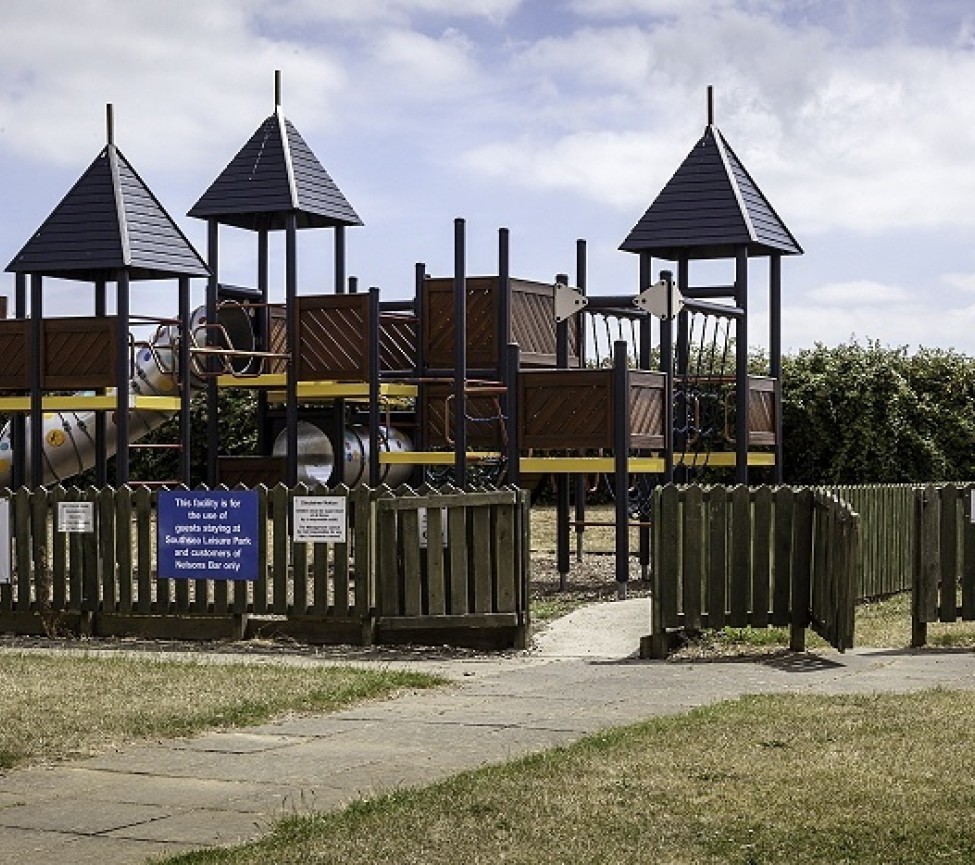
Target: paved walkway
219,788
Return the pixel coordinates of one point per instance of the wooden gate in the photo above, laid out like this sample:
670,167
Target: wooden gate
753,557
944,569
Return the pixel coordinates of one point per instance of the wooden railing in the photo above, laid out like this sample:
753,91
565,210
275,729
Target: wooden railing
753,557
105,581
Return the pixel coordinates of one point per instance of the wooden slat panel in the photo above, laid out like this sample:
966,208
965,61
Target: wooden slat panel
667,565
397,342
78,353
717,528
692,577
89,553
741,557
365,588
930,564
278,499
485,421
761,558
565,409
948,542
342,605
39,549
457,532
22,538
14,374
436,573
142,500
409,541
59,557
123,548
503,554
784,507
259,604
105,509
968,556
647,409
334,332
388,573
482,564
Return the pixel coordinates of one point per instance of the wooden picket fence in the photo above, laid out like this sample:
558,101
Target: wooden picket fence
105,582
887,548
753,557
944,584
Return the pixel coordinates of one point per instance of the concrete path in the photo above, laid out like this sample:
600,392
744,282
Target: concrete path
220,788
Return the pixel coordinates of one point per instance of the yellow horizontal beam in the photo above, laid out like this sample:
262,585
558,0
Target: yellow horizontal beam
89,403
278,379
727,460
318,389
581,465
431,458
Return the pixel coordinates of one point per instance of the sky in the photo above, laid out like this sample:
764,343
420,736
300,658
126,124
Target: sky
558,119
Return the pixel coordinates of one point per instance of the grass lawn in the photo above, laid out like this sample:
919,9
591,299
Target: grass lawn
769,779
58,706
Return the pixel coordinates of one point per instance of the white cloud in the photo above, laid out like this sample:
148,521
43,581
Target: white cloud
859,293
962,281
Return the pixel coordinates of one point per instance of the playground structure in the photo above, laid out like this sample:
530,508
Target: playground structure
476,378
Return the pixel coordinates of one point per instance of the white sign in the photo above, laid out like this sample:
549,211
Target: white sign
76,516
4,540
423,528
319,519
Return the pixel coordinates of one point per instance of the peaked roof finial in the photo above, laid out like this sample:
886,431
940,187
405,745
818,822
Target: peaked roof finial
277,89
710,105
110,123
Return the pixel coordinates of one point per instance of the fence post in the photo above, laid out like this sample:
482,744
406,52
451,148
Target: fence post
802,551
919,626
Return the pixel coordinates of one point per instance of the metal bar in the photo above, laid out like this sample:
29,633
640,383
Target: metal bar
514,452
213,433
667,368
122,378
101,454
646,351
562,530
460,353
339,259
35,355
741,367
504,301
374,376
185,392
422,437
704,306
264,328
621,446
291,329
775,358
18,424
703,292
579,480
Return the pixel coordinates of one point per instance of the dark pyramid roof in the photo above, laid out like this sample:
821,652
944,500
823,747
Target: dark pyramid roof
109,221
709,209
274,174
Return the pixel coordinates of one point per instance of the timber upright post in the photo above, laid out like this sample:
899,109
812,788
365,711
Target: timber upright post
562,479
18,425
580,481
621,450
460,354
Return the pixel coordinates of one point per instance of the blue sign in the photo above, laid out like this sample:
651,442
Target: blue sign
207,535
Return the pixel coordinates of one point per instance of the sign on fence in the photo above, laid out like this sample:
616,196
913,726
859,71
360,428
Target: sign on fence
76,516
208,535
319,519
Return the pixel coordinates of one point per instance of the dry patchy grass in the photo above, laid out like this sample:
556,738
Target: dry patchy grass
60,706
768,779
